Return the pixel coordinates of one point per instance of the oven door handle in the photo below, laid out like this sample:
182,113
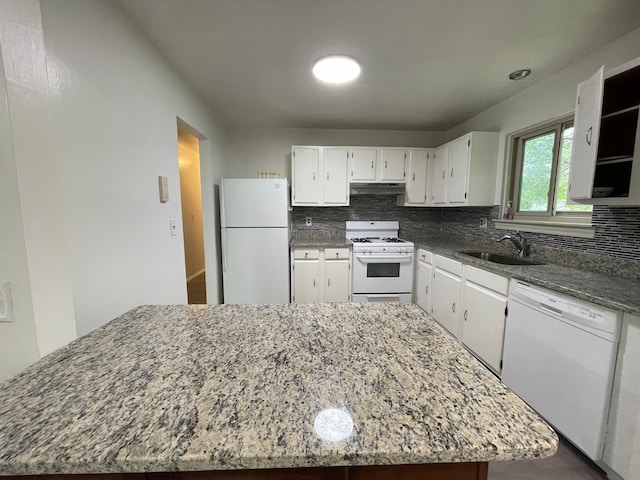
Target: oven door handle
385,259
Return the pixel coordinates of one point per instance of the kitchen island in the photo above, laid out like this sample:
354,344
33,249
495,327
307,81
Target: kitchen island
235,387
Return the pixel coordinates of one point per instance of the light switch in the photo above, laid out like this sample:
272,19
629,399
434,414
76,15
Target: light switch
6,304
173,227
163,184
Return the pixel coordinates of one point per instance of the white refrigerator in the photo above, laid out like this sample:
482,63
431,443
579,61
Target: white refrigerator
254,220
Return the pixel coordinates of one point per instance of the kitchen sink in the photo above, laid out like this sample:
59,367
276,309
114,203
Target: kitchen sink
502,259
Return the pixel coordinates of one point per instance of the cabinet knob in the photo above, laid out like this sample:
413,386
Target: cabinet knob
426,289
465,315
314,176
337,254
371,163
443,173
588,135
385,164
306,254
327,175
328,282
453,307
452,173
413,177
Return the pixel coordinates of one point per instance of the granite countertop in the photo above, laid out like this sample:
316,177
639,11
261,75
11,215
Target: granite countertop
166,388
615,292
335,242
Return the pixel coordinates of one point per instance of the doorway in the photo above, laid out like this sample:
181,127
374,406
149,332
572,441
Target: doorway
192,230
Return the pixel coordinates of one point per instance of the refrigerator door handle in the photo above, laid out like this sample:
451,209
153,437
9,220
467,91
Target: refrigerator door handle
223,239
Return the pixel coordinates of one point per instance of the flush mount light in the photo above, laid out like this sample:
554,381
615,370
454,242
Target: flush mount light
520,74
336,69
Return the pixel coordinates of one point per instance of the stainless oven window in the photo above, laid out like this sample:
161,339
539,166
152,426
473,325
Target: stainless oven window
383,270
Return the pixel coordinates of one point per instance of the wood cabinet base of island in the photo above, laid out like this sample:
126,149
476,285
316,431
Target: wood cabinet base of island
429,471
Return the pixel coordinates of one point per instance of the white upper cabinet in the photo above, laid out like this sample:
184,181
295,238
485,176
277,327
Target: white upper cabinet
391,164
362,164
335,189
439,168
417,165
586,131
606,145
463,171
319,176
305,164
457,176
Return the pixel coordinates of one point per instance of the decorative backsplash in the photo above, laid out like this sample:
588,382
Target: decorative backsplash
617,229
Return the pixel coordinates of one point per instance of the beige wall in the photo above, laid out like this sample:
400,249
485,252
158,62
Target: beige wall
18,342
257,149
93,109
548,98
191,198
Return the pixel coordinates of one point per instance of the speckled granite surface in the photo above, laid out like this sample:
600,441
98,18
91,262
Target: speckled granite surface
618,293
166,388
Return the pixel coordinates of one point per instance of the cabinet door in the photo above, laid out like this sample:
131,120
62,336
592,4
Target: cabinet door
305,281
304,166
445,301
334,176
423,286
623,430
392,164
417,178
439,175
362,164
586,132
482,323
336,281
457,170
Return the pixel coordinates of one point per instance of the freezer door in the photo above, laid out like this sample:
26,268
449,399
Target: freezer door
255,265
248,202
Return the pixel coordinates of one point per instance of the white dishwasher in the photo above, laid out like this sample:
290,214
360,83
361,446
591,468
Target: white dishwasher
559,357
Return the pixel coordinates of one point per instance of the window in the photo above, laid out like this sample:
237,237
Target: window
537,182
540,175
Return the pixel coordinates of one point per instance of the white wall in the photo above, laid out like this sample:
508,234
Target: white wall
18,342
548,98
94,112
258,149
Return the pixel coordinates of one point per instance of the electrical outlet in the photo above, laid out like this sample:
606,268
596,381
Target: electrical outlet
307,221
6,305
483,223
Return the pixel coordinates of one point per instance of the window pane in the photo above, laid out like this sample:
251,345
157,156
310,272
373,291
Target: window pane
535,179
562,183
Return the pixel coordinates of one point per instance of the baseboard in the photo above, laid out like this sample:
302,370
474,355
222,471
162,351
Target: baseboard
199,272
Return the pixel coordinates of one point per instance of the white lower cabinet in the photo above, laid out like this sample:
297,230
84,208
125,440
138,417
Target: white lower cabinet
424,274
484,309
320,275
622,443
445,301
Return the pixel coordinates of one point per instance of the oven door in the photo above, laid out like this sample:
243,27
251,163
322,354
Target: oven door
382,272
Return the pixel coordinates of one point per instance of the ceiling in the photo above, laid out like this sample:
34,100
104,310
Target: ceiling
426,64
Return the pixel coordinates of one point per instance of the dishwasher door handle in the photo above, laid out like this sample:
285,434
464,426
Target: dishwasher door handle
550,309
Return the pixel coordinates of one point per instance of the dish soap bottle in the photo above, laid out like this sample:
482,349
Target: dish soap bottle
508,212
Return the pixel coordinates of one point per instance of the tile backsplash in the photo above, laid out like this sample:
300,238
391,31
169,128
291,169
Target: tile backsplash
615,246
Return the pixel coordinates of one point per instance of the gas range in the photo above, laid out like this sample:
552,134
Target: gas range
382,263
377,237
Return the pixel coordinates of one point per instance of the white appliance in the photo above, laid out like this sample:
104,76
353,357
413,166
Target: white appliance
382,263
254,218
559,357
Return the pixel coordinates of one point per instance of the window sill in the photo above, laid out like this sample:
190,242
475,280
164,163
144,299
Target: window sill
570,229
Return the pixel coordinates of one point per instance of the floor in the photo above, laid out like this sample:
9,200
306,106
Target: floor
567,464
197,289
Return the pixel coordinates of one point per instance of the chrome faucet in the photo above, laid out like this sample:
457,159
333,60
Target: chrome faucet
519,242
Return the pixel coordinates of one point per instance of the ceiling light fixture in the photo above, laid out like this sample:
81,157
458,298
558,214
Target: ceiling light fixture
336,69
520,74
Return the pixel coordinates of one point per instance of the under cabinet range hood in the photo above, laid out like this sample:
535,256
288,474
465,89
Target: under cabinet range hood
377,188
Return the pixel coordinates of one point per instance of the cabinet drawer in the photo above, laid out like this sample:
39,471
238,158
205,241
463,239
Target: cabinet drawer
448,265
425,256
336,253
488,280
306,253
